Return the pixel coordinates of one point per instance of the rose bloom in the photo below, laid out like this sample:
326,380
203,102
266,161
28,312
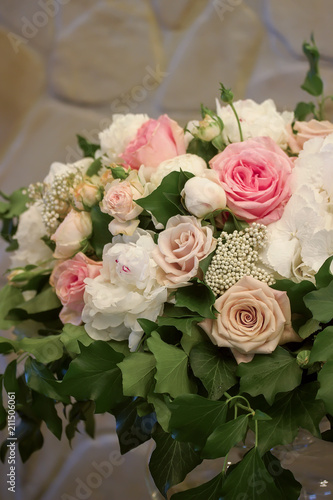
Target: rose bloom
255,175
203,195
86,194
75,227
155,141
181,246
187,162
68,280
307,130
253,318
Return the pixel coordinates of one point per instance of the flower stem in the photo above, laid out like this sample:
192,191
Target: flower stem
256,433
238,122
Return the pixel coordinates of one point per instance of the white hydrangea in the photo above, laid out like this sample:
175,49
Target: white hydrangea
125,291
32,249
119,134
256,120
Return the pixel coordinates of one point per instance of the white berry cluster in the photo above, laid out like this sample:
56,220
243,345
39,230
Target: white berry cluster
56,198
236,256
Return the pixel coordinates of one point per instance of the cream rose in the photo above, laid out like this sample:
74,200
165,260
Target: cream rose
68,237
181,246
307,130
253,318
202,196
187,162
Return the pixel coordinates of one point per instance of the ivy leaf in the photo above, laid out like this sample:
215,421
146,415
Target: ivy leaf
161,407
194,418
309,327
41,379
71,336
216,370
10,297
42,302
324,275
283,478
94,375
313,83
225,437
201,148
325,392
138,371
320,303
198,298
250,479
197,336
298,408
171,368
45,349
29,438
81,411
88,148
208,491
322,349
303,109
270,374
45,408
296,293
171,461
17,203
101,235
94,167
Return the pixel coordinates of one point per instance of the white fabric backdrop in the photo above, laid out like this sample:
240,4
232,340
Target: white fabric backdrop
67,65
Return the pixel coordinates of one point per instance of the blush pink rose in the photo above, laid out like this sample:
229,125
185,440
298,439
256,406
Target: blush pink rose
307,130
181,246
68,280
253,318
155,141
255,175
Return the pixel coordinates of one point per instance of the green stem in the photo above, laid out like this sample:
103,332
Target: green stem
141,342
238,122
225,463
256,433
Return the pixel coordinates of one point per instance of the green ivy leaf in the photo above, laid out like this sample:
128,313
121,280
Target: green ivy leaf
161,407
29,437
194,418
10,297
270,374
17,203
45,349
309,327
138,371
296,293
324,276
216,370
171,461
197,336
41,379
42,302
81,411
320,303
225,437
303,109
171,368
313,83
101,235
94,167
45,409
325,392
94,375
283,478
322,349
207,491
198,298
88,148
71,336
206,150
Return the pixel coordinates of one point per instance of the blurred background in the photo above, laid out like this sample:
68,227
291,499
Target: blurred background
68,65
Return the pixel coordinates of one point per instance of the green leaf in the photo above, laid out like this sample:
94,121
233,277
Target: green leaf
81,411
161,407
171,461
269,374
88,148
10,297
45,349
119,173
71,336
214,368
225,437
94,375
296,293
159,204
41,379
283,478
184,325
320,303
94,167
147,326
29,437
303,109
138,371
45,409
324,275
171,368
322,349
101,235
42,302
207,491
17,203
325,392
198,297
313,83
194,418
196,336
309,327
260,416
204,149
250,479
290,411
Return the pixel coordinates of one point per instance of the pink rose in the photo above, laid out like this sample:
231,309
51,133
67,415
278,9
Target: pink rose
155,141
307,130
68,279
255,175
181,246
253,318
70,234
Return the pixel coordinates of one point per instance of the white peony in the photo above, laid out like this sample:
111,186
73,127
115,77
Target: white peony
32,249
119,134
256,120
125,291
187,162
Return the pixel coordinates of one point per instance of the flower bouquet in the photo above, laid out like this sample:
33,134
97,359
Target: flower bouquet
181,281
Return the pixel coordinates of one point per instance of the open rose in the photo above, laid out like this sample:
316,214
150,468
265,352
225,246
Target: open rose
181,246
68,280
307,130
155,141
253,318
255,175
68,237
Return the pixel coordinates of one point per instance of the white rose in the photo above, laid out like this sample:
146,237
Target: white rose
206,129
202,196
256,120
30,230
119,134
125,291
69,235
187,162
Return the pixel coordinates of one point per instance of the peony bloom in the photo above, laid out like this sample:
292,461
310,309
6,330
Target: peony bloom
255,175
68,280
181,246
307,130
75,228
155,141
253,318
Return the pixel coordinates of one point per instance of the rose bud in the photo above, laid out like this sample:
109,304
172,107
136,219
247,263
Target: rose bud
202,196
